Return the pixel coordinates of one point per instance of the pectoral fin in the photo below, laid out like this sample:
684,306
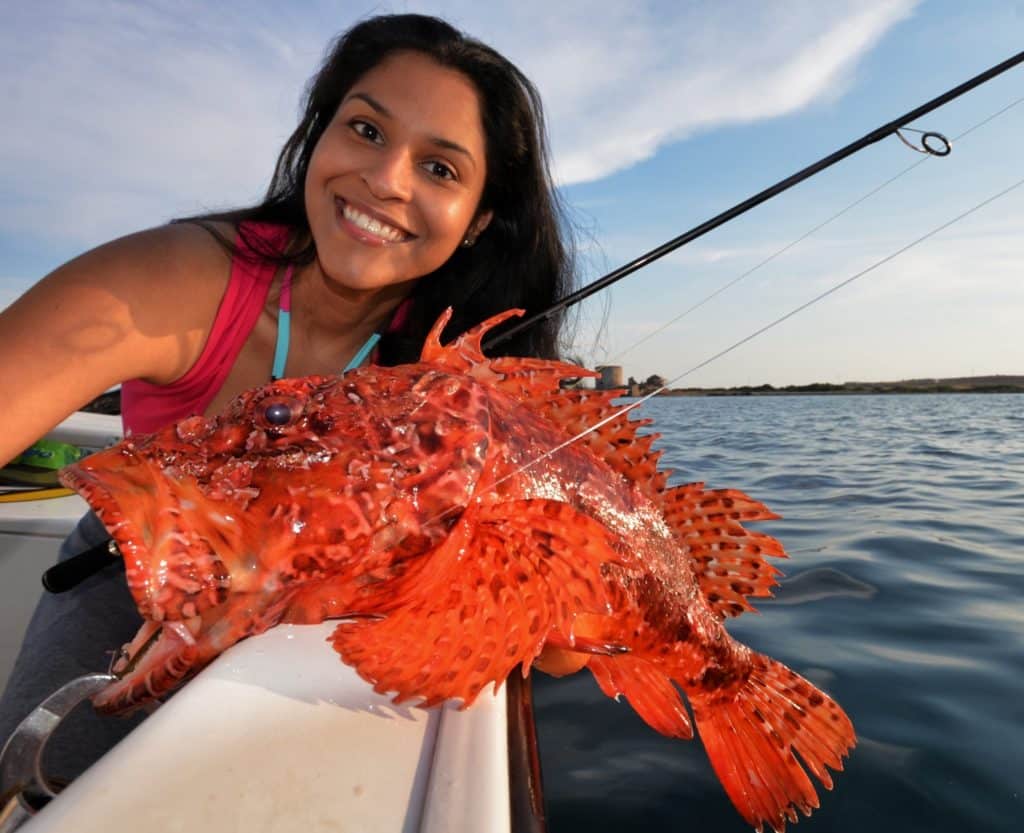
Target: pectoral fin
508,576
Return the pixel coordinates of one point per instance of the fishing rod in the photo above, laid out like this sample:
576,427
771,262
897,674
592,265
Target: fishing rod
70,573
931,142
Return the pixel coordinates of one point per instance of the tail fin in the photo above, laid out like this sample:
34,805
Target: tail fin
751,741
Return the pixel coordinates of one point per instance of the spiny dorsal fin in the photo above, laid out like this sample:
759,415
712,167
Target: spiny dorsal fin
617,442
536,384
525,379
466,351
728,559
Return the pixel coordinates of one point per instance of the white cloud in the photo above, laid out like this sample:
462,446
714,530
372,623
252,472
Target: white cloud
124,115
121,115
622,84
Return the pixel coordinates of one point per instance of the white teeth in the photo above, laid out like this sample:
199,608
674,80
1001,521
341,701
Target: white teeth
375,227
183,630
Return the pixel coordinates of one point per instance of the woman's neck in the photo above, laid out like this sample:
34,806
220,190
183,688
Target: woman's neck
334,321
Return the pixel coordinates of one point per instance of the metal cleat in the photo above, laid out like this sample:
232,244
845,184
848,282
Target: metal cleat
24,789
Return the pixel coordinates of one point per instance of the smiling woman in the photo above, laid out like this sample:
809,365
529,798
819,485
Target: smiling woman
394,183
416,179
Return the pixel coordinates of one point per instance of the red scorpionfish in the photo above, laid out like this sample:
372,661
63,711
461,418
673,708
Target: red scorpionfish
440,510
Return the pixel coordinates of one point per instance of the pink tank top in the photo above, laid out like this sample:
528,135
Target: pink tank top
146,407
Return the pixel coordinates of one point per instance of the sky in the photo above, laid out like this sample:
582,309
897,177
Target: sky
121,115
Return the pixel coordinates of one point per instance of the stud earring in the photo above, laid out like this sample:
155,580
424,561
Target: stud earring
468,241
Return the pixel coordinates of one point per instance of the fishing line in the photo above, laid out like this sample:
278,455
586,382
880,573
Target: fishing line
85,564
618,356
875,135
633,405
73,571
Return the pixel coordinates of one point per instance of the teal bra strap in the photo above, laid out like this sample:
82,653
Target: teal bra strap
284,329
364,351
284,326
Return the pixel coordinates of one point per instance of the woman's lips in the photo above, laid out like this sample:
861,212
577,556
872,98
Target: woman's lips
368,226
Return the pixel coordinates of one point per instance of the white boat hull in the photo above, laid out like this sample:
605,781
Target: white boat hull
275,735
279,735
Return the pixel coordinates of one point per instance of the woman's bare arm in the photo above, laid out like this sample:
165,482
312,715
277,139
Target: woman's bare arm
138,307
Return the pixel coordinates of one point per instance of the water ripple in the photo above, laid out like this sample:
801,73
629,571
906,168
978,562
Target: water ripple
903,516
820,583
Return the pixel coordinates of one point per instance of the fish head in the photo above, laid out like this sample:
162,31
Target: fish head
320,482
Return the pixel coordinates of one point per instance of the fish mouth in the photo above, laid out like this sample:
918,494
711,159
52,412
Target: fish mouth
173,538
173,570
159,657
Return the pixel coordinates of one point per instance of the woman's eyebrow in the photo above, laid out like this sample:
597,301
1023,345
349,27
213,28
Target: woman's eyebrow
448,144
374,104
441,142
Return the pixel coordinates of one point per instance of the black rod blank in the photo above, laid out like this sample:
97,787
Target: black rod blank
68,574
875,135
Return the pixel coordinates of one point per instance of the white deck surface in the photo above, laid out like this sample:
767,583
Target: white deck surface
276,735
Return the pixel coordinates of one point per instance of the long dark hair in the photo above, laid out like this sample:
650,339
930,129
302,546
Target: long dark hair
523,259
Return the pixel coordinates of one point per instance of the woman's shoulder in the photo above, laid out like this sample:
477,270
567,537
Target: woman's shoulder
159,262
149,298
137,307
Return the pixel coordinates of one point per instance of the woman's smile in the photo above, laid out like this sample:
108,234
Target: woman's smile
369,226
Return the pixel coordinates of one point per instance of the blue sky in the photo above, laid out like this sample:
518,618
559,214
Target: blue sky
121,115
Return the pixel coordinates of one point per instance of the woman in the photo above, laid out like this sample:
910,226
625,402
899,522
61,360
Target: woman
416,179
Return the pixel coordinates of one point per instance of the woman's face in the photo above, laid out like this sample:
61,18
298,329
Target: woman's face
395,181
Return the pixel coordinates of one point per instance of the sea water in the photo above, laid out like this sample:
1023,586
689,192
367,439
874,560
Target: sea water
903,598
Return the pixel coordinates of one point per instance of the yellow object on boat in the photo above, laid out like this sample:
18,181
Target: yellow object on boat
26,495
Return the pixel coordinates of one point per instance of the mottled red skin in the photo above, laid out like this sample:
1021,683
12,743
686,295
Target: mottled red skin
412,499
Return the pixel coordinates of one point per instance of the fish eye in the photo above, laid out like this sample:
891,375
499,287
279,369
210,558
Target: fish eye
277,413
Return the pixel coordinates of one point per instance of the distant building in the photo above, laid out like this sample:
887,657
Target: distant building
652,385
611,377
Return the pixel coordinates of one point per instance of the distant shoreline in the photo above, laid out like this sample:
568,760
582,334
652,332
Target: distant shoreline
862,392
974,384
110,402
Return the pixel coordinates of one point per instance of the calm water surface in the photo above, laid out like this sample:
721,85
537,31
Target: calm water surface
903,598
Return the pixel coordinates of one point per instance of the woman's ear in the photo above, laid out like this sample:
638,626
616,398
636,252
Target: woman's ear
482,221
476,228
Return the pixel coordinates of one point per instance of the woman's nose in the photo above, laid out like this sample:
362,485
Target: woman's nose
390,175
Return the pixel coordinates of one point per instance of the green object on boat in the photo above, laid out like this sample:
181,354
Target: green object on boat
38,464
49,454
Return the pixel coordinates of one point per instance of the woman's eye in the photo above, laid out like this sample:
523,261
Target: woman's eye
439,170
366,130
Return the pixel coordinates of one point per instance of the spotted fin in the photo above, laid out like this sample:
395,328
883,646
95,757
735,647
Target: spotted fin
536,383
751,738
617,442
524,571
729,560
